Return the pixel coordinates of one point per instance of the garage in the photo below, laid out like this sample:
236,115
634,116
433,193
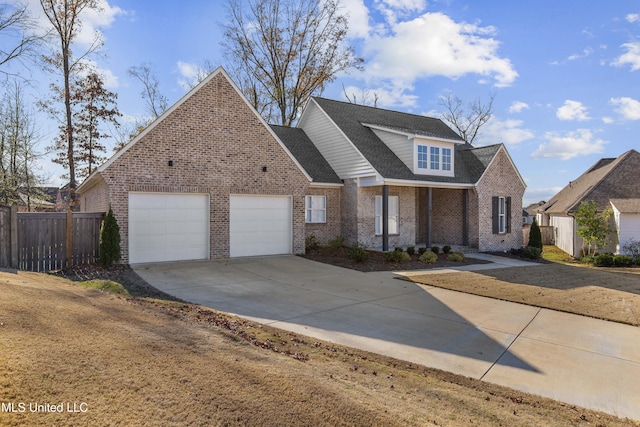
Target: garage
260,225
168,227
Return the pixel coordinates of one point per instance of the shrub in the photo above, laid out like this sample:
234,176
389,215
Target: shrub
456,256
622,261
603,260
311,243
531,252
429,257
587,259
335,244
398,249
632,247
535,236
358,253
446,249
396,256
435,249
109,241
421,251
411,250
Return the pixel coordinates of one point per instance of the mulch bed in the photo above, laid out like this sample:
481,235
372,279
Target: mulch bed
340,257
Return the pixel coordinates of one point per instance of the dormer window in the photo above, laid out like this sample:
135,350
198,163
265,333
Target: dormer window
433,158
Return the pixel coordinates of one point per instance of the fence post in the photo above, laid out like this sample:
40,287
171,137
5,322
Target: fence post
13,240
69,239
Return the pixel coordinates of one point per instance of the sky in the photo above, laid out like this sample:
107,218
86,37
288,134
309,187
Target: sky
565,74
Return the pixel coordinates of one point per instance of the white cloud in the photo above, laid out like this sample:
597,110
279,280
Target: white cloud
508,132
629,108
572,144
632,57
633,17
586,52
573,110
607,120
435,45
358,15
518,106
395,97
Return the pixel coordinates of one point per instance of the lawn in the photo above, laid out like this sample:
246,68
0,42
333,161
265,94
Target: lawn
126,359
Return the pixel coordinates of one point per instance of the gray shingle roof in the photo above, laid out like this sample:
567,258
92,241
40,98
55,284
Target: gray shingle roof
627,205
609,178
301,147
469,163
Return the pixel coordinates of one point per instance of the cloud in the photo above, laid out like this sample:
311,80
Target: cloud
632,57
628,108
572,144
586,52
435,45
358,15
573,110
395,97
508,132
633,17
518,106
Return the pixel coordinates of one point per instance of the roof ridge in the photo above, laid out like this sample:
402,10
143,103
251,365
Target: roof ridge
376,108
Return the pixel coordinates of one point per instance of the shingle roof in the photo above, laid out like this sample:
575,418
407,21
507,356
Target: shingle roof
301,147
608,179
469,165
627,205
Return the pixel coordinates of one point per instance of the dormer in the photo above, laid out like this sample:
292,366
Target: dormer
422,154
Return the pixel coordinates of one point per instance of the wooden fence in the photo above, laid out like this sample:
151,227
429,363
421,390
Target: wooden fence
547,232
8,236
53,241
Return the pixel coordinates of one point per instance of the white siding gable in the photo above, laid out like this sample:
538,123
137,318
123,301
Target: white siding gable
400,144
334,146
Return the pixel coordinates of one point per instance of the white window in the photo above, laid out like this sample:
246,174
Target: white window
315,209
435,158
446,159
422,156
393,215
502,218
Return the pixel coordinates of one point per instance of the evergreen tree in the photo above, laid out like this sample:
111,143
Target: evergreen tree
535,236
109,240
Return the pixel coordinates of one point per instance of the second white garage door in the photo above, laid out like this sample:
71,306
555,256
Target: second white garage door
260,225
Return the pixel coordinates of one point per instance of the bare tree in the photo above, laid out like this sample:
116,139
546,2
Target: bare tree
64,16
366,97
155,102
20,42
466,123
284,51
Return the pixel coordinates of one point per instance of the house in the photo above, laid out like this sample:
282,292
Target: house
531,212
211,179
611,183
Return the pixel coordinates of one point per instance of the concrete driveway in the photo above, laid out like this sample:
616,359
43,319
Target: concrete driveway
575,359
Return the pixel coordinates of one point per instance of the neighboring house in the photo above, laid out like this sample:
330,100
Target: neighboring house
626,215
610,179
210,179
531,212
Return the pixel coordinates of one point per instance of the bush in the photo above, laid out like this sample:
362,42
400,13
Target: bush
587,259
335,244
311,243
603,260
109,241
422,251
397,256
358,253
622,261
411,250
535,236
632,247
398,249
531,252
456,256
429,257
446,249
435,249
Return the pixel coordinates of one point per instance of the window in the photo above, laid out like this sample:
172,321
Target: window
315,209
422,156
446,159
501,215
435,158
393,215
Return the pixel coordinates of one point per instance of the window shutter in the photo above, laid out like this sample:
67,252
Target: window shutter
494,214
508,214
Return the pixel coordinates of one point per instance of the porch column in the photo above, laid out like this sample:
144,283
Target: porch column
428,212
465,217
385,218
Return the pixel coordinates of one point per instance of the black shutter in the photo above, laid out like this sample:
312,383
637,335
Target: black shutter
494,214
507,209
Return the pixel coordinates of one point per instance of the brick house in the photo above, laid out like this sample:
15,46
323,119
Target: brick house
211,179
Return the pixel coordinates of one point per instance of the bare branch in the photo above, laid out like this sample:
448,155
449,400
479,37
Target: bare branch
467,124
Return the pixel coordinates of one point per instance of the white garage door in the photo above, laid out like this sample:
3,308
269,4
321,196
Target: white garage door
168,227
260,225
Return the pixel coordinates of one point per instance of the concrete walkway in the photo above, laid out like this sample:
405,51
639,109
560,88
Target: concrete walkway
574,359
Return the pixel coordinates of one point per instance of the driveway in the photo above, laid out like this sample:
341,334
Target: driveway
575,359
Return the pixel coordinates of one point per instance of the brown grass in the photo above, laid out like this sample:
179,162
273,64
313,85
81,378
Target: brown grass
141,361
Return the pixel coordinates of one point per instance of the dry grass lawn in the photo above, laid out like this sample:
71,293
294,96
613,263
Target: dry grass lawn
146,362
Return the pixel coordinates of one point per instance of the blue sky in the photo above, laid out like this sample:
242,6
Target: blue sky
565,74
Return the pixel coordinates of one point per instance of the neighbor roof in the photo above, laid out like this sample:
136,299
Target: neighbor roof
609,178
470,163
301,147
626,205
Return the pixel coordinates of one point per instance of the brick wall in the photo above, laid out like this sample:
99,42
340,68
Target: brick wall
96,198
447,221
349,214
332,228
501,180
218,146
